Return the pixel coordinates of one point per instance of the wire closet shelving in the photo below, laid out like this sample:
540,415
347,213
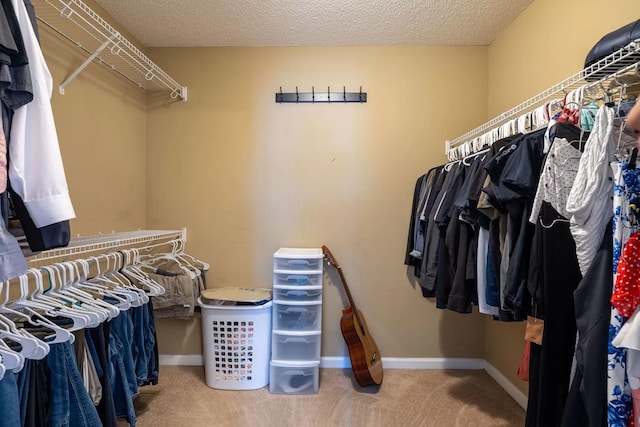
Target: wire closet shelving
595,75
108,242
76,22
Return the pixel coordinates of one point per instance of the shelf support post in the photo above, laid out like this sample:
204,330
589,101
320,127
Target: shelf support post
86,63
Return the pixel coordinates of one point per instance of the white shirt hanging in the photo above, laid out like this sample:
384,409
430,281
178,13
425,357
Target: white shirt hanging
36,172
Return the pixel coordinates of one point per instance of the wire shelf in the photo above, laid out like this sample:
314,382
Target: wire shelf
621,61
80,25
102,242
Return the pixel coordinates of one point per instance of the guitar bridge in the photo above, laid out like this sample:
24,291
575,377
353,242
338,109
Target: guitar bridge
374,356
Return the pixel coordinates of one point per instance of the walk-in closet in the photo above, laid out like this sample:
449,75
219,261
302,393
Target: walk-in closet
360,213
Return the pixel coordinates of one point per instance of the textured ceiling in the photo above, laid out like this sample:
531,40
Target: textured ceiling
178,23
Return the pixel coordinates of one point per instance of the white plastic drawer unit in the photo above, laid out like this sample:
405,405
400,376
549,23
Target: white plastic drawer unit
298,259
297,316
294,377
298,278
295,346
285,294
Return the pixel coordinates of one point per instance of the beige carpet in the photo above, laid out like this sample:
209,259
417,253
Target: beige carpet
406,398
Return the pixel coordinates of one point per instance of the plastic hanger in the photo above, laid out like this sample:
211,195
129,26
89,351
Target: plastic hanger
10,359
172,257
139,297
32,348
66,277
51,306
60,335
75,303
123,284
74,286
206,266
140,276
107,288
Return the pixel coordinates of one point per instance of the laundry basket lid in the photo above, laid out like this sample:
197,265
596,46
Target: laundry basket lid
236,296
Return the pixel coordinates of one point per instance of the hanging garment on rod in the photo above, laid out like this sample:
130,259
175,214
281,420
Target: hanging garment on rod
586,401
625,223
422,201
589,203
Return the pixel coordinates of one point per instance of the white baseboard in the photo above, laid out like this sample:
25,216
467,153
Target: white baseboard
389,363
507,385
410,363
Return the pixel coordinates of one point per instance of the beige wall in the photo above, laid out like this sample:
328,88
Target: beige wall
547,43
101,125
247,176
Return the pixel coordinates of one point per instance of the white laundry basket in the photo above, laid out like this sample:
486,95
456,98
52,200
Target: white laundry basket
236,340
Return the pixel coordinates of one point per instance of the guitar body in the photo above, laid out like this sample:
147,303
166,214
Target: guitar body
366,362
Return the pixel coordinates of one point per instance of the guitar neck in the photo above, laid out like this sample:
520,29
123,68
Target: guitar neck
346,289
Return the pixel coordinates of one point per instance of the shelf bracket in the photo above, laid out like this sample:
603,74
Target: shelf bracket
87,62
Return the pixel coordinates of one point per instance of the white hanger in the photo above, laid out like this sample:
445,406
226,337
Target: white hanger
106,287
73,287
132,269
60,334
10,359
172,256
36,349
31,346
51,306
76,304
138,296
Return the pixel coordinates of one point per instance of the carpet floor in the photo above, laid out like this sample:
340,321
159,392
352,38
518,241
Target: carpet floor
440,398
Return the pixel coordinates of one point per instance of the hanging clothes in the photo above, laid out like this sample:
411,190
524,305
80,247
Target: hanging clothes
589,203
38,188
35,147
426,190
586,403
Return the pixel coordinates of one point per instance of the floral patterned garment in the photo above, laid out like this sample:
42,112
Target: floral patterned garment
626,214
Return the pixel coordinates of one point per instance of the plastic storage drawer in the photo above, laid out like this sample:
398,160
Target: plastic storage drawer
297,278
285,294
295,346
294,377
302,259
298,264
297,316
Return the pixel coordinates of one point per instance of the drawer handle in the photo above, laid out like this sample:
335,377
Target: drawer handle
290,340
297,262
294,372
298,279
296,310
297,294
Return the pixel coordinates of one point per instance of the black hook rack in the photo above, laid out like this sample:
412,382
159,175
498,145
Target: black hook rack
313,96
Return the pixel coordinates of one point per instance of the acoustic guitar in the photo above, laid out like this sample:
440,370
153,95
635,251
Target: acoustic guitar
366,361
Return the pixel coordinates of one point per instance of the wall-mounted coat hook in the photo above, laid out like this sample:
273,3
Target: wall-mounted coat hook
328,96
